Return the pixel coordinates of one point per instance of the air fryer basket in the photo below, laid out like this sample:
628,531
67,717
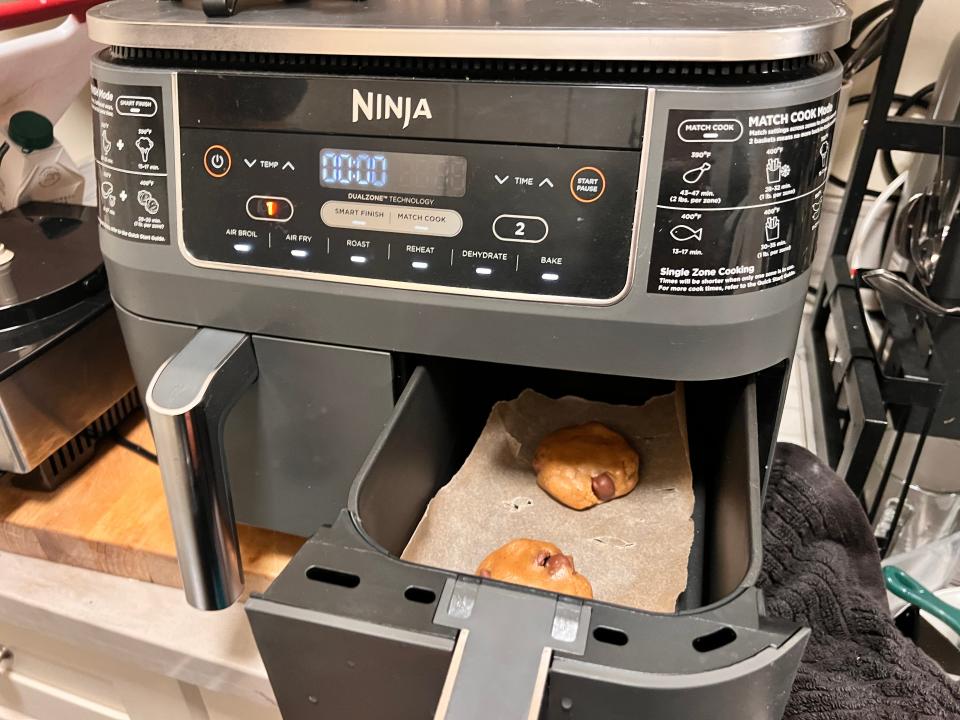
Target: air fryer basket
354,610
431,436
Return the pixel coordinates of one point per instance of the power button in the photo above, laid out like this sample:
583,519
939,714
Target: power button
217,161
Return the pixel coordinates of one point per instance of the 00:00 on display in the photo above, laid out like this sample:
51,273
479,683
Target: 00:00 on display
347,169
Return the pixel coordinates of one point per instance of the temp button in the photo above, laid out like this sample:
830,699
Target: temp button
520,228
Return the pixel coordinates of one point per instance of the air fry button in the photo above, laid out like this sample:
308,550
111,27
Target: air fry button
587,184
217,161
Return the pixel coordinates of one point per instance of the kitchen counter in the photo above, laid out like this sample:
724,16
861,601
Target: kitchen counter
99,646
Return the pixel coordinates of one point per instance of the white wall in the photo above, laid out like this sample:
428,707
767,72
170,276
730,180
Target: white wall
74,129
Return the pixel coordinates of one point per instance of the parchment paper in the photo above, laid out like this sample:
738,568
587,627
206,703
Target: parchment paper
633,550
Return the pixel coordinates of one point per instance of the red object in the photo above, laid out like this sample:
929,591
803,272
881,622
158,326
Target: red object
15,13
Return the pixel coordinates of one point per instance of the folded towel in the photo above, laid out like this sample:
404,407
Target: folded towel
821,568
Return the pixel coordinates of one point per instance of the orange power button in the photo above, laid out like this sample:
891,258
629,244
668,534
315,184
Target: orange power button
217,161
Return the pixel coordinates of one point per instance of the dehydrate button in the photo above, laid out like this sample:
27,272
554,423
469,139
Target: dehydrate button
587,184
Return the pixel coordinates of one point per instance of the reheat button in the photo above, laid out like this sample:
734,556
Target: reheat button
269,207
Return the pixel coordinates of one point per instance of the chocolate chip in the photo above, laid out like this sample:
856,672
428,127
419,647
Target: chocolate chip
559,562
603,487
484,573
542,558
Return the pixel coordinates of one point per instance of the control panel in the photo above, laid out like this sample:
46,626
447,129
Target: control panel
473,217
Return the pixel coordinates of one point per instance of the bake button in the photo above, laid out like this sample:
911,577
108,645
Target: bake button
587,184
520,228
217,161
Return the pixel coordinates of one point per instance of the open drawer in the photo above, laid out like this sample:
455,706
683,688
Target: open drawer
356,617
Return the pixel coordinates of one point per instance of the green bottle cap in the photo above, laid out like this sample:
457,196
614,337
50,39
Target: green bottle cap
30,130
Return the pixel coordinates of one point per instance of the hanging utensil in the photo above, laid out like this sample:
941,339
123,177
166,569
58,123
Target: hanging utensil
927,218
892,285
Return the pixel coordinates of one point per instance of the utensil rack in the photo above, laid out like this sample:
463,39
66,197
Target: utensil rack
854,392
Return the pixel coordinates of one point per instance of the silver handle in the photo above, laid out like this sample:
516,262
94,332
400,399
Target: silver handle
188,400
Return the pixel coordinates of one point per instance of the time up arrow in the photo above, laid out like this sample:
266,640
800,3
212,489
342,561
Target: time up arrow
545,181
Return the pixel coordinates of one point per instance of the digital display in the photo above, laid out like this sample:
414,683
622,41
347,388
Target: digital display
413,173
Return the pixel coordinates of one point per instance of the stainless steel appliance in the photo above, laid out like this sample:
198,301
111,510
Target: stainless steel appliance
64,376
349,228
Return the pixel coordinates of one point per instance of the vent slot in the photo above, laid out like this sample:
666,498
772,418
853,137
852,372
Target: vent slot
421,595
332,577
610,636
567,71
715,640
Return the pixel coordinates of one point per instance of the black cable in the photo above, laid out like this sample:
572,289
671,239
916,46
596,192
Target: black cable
868,51
867,18
905,101
869,48
132,446
917,100
120,440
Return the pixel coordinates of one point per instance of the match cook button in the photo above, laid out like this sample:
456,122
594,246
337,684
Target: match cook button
391,218
587,184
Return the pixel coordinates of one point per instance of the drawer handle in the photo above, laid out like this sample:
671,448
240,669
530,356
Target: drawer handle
188,401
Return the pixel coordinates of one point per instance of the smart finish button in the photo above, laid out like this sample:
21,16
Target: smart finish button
587,184
217,161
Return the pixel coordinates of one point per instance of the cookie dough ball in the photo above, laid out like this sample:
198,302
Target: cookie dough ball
537,564
585,465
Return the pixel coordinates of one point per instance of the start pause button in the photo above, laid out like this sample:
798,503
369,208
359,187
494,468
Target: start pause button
587,184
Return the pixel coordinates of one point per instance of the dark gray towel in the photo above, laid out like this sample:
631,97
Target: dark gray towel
821,568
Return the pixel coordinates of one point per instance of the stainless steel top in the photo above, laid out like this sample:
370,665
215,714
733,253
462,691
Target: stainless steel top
697,30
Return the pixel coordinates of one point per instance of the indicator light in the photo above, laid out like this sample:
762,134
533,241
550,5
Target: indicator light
270,208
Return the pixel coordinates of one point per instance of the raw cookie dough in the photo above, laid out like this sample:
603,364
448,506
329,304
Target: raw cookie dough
535,563
585,465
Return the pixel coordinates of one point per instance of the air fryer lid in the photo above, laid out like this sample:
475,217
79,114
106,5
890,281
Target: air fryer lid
683,30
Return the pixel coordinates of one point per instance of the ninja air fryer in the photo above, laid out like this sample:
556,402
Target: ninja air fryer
349,228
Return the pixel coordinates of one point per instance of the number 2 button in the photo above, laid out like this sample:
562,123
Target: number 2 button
520,228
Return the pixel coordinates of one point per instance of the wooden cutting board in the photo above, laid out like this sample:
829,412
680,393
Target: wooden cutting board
112,517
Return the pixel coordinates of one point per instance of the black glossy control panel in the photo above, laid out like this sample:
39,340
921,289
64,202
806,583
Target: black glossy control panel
534,220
